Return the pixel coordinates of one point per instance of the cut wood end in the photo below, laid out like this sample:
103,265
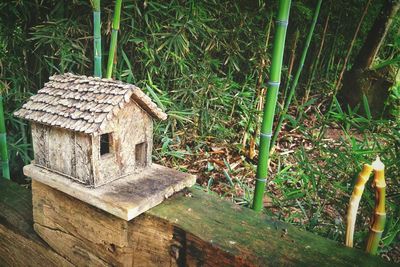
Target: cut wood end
378,164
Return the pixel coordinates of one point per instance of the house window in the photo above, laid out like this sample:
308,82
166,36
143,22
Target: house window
105,144
141,154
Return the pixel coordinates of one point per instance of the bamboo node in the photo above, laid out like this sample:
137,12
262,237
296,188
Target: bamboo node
376,231
266,135
282,22
272,83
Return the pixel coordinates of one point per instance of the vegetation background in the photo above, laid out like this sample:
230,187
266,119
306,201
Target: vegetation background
206,64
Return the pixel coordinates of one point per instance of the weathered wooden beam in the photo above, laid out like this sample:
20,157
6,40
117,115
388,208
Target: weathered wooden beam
19,244
192,228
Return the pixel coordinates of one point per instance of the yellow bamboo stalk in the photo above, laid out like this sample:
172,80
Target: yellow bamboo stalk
358,190
379,217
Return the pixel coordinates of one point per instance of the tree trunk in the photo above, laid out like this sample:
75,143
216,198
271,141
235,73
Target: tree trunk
361,79
376,35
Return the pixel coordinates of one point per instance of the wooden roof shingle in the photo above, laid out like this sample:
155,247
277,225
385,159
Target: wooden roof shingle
83,104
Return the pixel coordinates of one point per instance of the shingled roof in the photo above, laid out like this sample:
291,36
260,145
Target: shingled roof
83,104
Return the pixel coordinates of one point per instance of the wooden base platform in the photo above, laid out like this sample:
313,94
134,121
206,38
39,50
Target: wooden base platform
125,198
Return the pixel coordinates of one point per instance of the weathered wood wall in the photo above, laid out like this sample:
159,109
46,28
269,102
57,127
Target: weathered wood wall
40,136
83,160
131,126
64,151
192,228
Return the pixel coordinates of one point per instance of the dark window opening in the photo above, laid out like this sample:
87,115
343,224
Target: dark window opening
105,144
141,154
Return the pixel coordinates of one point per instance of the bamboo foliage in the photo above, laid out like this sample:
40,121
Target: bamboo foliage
270,103
97,37
297,76
355,201
291,64
3,143
114,37
379,217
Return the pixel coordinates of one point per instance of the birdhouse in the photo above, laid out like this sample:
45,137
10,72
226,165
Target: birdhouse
91,130
93,139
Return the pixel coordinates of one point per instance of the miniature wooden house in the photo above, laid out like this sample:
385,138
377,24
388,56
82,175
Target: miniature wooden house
91,130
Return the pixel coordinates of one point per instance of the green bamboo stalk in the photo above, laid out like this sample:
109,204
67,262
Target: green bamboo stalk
259,96
114,37
317,59
270,103
3,143
379,218
97,37
333,49
297,76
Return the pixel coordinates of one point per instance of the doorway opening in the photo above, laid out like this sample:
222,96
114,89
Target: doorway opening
141,154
